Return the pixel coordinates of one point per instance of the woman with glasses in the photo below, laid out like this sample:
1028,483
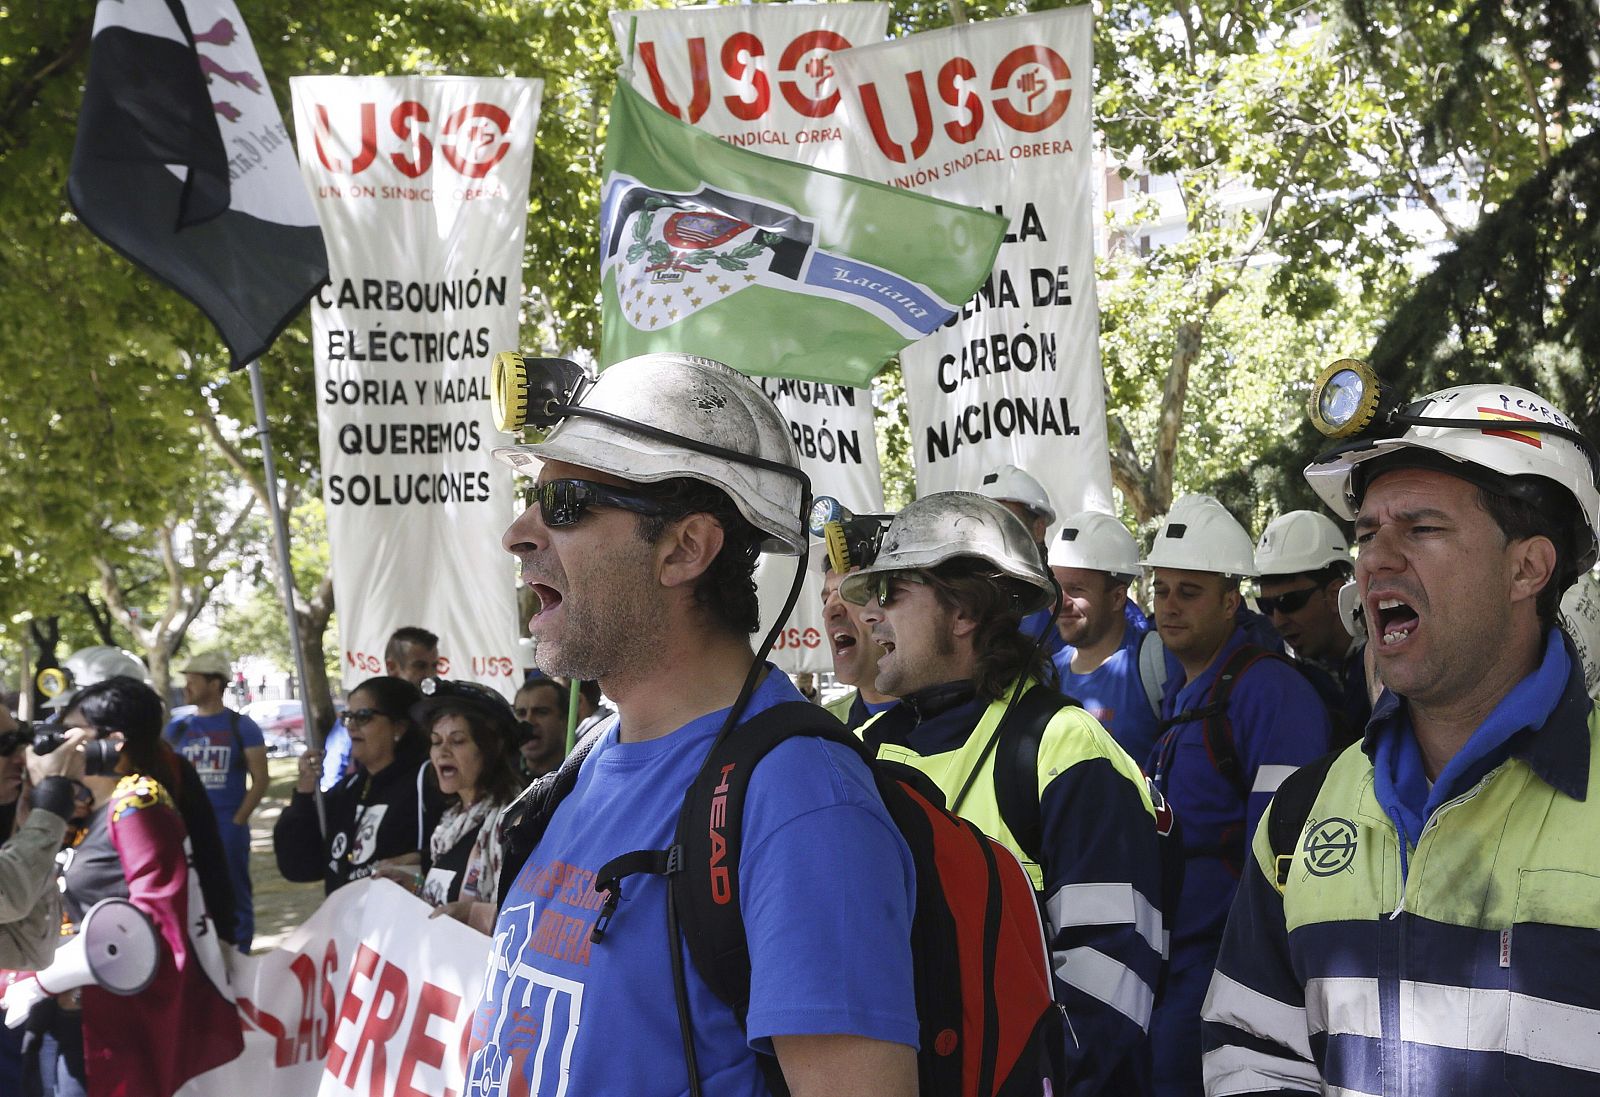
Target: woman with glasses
374,814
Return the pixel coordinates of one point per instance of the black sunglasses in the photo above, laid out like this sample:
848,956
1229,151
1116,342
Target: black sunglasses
883,584
562,502
357,717
1292,602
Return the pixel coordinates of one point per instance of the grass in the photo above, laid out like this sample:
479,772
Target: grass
280,905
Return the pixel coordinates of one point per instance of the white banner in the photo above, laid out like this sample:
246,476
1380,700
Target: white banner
421,184
370,998
998,114
761,77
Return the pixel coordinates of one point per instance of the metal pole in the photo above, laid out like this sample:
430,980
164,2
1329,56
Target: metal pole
572,716
280,540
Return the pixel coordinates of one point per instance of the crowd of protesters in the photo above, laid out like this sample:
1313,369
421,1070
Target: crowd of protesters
1180,699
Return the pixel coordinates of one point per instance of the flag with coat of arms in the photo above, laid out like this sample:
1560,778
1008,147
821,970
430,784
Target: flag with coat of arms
773,267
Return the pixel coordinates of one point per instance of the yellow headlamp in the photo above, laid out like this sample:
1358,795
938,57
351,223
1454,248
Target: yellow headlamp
1344,398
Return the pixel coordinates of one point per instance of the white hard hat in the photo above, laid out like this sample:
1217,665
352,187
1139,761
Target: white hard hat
701,400
1495,456
1198,534
1580,618
87,666
1010,484
1351,611
1300,541
1097,542
948,525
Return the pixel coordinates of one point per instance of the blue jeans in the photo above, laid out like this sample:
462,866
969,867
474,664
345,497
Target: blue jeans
236,848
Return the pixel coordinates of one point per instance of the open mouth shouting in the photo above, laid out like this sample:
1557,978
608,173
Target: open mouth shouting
549,599
1397,621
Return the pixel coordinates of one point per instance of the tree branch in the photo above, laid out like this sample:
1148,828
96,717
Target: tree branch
232,453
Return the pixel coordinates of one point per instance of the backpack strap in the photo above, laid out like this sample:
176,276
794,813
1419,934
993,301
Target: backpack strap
1153,669
524,821
1016,768
1289,812
1218,729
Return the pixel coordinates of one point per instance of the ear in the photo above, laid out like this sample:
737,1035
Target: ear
961,625
1230,601
687,548
1533,567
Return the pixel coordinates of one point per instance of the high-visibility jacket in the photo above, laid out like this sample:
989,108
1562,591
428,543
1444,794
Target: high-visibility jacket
1100,880
1473,969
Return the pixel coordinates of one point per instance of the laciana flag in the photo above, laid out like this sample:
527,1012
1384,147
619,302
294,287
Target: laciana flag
775,268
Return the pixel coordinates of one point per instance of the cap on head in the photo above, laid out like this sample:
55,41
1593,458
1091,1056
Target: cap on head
1198,534
1010,484
213,663
949,525
1300,541
1497,456
698,399
1096,542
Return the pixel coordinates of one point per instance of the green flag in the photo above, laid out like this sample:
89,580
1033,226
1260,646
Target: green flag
773,267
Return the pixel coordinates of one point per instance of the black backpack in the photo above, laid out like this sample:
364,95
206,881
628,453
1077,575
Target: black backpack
976,929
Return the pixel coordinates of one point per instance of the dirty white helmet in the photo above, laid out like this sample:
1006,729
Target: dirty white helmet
1198,534
1495,455
1096,542
1300,541
86,666
1580,618
1010,484
701,400
952,524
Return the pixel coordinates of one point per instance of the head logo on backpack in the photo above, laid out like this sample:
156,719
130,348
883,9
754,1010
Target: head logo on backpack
976,926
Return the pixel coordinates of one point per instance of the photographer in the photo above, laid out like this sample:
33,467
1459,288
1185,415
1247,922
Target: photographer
30,903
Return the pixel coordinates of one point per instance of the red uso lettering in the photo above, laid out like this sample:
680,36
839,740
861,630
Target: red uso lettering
1029,74
808,55
818,67
721,883
363,662
474,138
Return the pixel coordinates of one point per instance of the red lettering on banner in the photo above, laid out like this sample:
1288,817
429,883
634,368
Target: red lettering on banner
369,140
360,660
400,122
1032,85
350,1010
483,142
891,148
699,76
739,54
283,1046
392,986
959,68
819,69
422,1049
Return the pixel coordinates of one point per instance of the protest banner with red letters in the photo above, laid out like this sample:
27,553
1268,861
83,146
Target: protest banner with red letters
369,998
761,77
421,185
998,114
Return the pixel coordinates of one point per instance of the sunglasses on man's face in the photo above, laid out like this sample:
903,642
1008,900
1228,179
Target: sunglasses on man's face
1292,602
562,502
885,586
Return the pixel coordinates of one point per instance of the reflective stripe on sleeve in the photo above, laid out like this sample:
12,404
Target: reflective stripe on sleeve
1233,1069
1106,904
1101,977
1268,778
1347,1006
1230,1002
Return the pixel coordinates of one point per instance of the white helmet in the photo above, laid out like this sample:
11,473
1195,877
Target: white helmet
1010,484
952,524
1198,534
1097,542
86,666
1351,611
1580,618
1495,455
700,400
1300,541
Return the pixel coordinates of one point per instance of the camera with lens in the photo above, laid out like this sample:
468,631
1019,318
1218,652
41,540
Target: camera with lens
12,740
99,755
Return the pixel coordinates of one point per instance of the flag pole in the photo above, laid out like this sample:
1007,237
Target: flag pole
280,541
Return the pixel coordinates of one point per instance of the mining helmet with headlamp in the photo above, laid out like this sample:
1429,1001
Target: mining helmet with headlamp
1506,440
659,417
848,540
949,525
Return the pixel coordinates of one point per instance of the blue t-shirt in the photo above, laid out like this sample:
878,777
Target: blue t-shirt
827,890
1114,694
217,755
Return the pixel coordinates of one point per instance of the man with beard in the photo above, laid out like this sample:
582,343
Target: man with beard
855,656
952,578
540,707
1094,559
1425,916
651,501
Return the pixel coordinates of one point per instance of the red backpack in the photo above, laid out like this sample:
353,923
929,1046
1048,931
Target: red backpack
990,1026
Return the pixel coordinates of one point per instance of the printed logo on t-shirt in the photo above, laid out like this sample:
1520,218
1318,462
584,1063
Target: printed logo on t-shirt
527,1023
210,761
368,820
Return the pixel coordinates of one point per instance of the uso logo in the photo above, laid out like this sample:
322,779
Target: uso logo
804,66
1028,91
471,140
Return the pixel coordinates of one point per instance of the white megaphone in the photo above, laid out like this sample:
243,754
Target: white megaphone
116,948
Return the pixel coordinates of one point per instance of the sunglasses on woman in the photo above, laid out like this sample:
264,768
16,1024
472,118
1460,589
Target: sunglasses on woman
562,502
361,716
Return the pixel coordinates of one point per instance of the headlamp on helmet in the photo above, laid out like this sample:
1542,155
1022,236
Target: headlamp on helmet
534,392
851,540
